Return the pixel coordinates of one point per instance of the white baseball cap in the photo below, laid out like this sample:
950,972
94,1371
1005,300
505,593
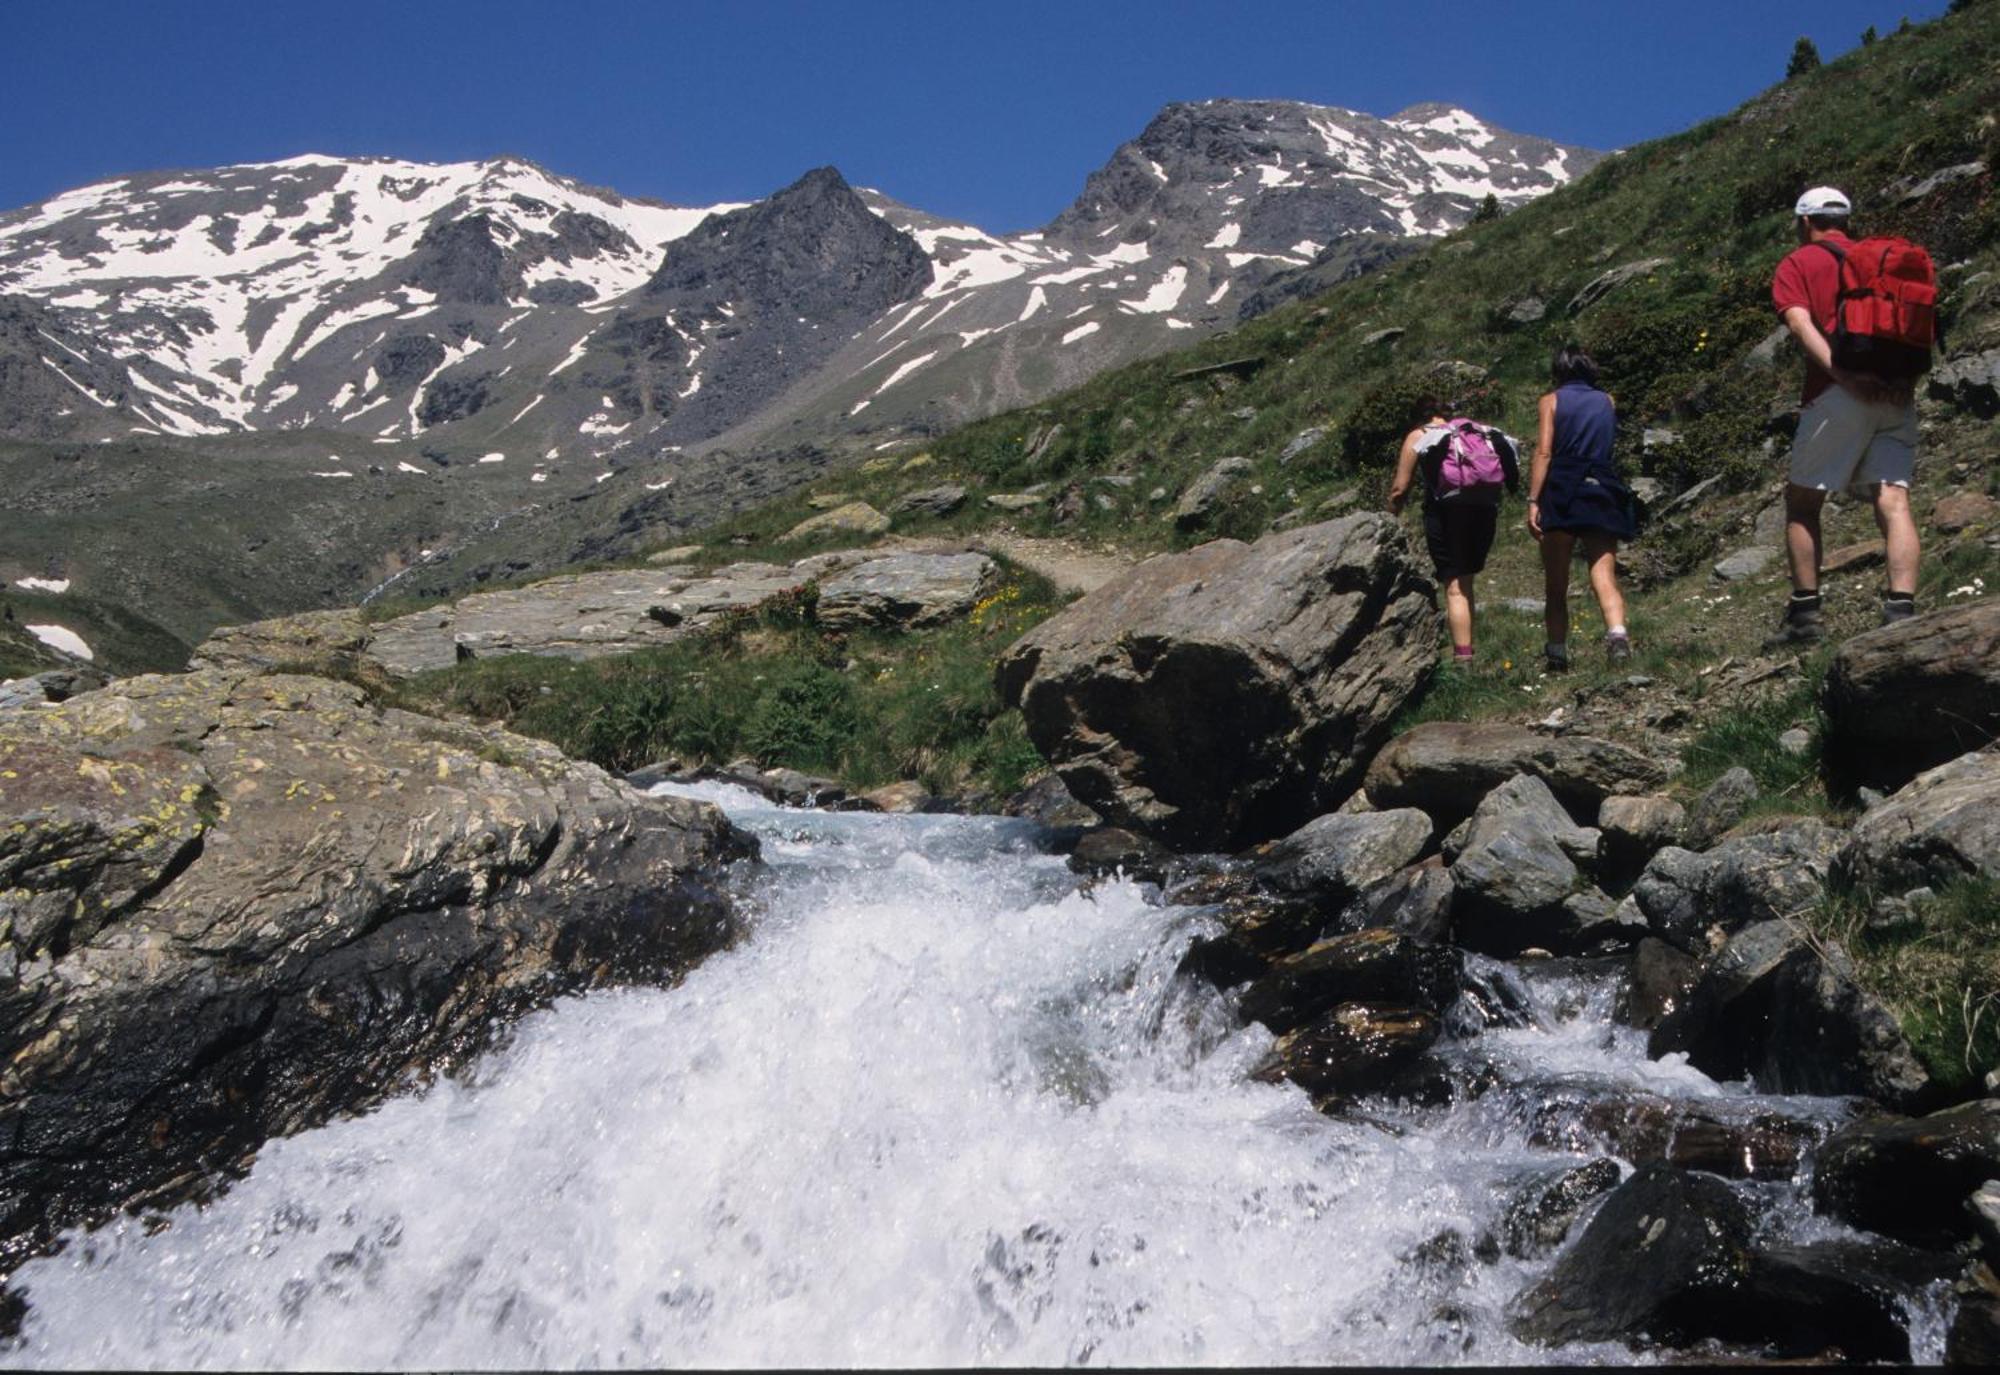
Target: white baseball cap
1823,200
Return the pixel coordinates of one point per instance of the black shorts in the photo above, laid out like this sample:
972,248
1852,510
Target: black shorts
1458,535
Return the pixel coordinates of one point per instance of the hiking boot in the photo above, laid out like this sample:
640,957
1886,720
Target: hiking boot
1801,624
1556,658
1897,608
1618,648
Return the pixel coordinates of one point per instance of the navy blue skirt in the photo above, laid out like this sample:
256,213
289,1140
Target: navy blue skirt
1587,503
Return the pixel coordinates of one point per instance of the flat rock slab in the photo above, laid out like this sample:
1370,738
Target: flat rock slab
235,904
589,615
1446,767
1229,694
905,591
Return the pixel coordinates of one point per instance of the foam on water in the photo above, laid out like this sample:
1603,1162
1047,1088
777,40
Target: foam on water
940,1108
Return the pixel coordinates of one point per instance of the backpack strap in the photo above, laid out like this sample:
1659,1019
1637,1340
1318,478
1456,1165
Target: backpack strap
1839,254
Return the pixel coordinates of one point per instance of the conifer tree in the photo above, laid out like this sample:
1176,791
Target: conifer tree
1868,37
1805,56
1489,209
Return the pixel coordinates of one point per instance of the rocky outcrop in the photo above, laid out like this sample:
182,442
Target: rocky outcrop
1971,382
589,615
1907,697
1445,767
905,591
1790,1015
1944,825
855,520
1228,694
233,905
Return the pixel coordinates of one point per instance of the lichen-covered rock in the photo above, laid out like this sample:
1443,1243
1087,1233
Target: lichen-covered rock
854,520
904,591
1445,767
232,905
323,642
1943,825
1228,694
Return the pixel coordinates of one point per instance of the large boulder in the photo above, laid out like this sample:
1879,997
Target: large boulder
234,905
1659,1252
1445,767
855,520
1789,1015
1943,825
1910,1178
1907,697
1228,694
905,591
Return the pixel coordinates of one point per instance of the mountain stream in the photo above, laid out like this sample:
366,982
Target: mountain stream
945,1105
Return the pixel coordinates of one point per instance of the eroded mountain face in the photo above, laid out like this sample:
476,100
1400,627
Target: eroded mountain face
370,366
497,304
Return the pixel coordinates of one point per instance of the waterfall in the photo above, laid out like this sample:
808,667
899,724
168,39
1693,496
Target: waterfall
944,1105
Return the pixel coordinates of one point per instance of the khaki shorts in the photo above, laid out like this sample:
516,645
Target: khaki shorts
1844,442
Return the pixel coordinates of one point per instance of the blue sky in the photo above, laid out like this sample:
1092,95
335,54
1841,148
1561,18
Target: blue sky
987,112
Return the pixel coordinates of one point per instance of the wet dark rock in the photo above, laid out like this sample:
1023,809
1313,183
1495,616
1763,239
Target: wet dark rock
1295,653
1645,1129
237,904
1491,995
1724,804
1845,1299
1659,1251
1907,697
1661,978
1352,1049
1974,1339
1416,902
1788,1014
1334,857
1377,966
1910,1178
1539,1217
1112,850
1256,931
1446,767
1941,826
1048,801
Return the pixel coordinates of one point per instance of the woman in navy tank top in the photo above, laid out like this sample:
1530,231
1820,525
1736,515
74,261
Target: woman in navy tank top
1576,500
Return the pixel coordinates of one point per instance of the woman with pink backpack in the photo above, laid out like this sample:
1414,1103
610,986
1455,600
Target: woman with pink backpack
1576,498
1465,465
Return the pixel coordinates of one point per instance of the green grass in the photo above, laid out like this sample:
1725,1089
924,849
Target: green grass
867,708
1941,978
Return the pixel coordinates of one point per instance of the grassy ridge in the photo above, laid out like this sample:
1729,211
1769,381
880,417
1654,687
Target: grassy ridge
867,707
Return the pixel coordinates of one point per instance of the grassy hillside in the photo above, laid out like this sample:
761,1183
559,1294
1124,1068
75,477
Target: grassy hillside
1676,340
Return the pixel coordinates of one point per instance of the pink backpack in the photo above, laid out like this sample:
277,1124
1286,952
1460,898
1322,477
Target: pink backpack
1470,470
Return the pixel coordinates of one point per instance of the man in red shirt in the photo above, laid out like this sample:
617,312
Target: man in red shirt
1854,430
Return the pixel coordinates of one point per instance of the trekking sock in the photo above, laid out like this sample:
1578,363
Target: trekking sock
1805,600
1461,652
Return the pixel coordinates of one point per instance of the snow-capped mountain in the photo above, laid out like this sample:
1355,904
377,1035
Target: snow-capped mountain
500,307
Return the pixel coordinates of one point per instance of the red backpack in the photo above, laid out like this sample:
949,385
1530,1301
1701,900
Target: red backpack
1885,318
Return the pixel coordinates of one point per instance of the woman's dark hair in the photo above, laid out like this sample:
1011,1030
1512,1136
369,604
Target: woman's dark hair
1572,364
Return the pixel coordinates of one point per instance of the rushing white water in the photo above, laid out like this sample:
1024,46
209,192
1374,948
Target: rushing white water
941,1108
